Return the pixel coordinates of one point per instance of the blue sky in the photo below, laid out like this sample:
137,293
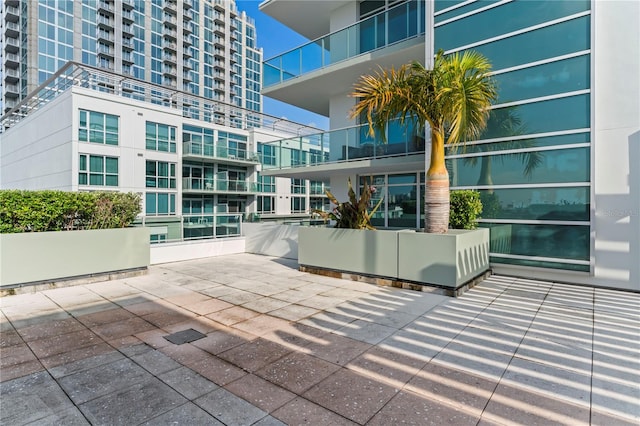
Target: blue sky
275,38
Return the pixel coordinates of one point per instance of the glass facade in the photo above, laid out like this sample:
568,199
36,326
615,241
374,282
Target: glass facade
532,163
97,170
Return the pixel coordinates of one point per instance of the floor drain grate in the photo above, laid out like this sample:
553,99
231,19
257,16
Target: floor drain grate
185,336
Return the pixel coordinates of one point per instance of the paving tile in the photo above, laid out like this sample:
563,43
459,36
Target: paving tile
409,409
218,371
208,306
351,395
102,380
69,417
146,307
291,295
184,336
232,315
105,317
453,388
253,355
10,338
84,364
154,338
239,297
328,320
229,409
540,349
185,354
185,414
223,340
301,412
188,383
76,355
261,324
475,360
390,318
269,421
337,349
321,302
297,372
615,397
63,343
31,398
132,403
365,331
188,299
515,404
261,393
20,370
386,366
294,312
296,336
128,327
135,350
16,354
167,318
155,362
264,305
600,418
50,329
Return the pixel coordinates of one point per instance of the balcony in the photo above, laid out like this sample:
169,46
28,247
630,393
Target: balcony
186,28
168,58
186,76
220,153
104,22
127,58
104,6
169,82
170,46
105,37
388,38
12,14
9,104
127,30
12,29
213,185
105,51
12,91
188,15
170,34
127,44
11,45
316,156
187,65
127,16
186,4
170,21
169,71
11,60
128,4
170,6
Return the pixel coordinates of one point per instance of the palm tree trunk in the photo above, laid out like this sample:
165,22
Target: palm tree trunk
436,196
485,174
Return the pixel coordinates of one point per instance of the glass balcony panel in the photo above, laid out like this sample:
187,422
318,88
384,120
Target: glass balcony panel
397,24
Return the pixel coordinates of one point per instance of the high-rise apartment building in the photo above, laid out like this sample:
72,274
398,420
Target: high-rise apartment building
203,47
556,166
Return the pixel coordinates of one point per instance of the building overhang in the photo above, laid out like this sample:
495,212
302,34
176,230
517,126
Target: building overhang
309,18
371,166
313,91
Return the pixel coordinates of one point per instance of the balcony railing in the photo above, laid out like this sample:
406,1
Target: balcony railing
220,152
167,229
348,144
218,185
394,25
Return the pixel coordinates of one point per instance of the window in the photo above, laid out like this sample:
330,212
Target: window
267,154
266,183
298,186
96,170
266,204
160,137
160,174
96,127
160,204
298,205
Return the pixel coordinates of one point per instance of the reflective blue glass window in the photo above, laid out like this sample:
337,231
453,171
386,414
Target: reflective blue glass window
536,203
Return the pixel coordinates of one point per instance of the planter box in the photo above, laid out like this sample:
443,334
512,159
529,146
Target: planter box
444,260
53,256
447,260
352,250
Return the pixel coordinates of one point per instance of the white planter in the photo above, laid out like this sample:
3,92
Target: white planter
445,260
52,256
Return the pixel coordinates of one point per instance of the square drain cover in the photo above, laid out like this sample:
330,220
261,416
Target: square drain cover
185,336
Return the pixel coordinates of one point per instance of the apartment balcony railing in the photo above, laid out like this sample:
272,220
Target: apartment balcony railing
348,144
127,43
127,15
11,60
11,76
168,229
169,20
218,185
103,6
104,22
392,26
12,14
12,90
11,45
219,152
12,29
128,4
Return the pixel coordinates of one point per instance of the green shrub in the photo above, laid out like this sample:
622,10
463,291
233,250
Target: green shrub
465,209
38,211
352,214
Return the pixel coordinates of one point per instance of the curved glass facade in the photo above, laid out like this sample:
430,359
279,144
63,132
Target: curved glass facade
532,163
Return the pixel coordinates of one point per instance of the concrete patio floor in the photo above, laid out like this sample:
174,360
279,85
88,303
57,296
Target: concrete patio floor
286,347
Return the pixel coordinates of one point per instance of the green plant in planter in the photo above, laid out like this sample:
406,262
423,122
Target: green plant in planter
352,214
465,209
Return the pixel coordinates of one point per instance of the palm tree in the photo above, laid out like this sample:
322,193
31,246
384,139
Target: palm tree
453,97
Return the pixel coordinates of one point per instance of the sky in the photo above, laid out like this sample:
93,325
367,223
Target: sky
274,39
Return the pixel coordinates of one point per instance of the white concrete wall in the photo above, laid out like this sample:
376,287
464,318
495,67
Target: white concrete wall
38,153
271,239
165,253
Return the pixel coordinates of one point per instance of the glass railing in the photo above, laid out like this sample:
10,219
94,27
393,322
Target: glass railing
190,227
218,185
202,150
348,144
394,25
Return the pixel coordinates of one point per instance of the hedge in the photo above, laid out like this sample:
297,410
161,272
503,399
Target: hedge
465,209
38,211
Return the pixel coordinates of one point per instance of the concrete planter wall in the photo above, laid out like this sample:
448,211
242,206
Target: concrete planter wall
445,260
52,256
